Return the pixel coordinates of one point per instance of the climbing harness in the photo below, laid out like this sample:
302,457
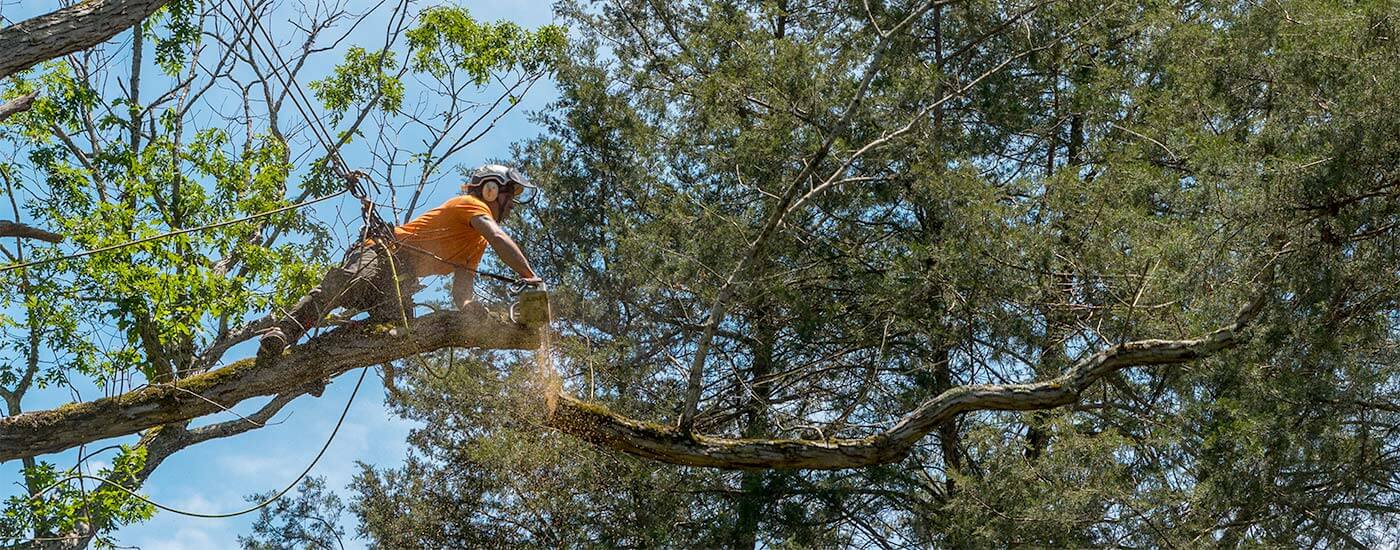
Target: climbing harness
377,230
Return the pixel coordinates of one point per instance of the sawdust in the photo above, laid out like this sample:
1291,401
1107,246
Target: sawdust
547,379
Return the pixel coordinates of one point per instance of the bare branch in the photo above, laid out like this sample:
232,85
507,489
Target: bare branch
244,424
16,229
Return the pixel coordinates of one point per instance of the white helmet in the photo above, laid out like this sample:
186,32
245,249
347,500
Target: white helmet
495,178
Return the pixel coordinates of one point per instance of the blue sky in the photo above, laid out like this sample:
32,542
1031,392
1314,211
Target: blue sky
213,477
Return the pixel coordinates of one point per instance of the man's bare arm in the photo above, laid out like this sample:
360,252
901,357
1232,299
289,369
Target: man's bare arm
505,247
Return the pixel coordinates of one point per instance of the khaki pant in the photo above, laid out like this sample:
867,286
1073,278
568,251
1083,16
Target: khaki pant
363,282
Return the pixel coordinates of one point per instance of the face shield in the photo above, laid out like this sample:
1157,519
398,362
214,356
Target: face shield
524,193
523,190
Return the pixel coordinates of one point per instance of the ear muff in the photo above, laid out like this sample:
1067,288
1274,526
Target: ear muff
490,190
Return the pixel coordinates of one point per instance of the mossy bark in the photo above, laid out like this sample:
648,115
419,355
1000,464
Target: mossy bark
324,357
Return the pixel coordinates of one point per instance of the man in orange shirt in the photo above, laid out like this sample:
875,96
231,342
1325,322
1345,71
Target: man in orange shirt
449,239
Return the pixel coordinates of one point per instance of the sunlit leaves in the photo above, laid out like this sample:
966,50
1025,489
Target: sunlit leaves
180,19
448,38
64,501
362,77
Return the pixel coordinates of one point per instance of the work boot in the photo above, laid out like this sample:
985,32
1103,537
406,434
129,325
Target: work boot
271,344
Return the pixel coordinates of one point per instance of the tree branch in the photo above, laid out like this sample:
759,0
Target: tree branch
17,105
77,27
347,348
16,229
598,425
244,424
334,353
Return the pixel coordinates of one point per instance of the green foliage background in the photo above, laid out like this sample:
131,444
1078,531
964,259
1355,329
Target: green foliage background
103,161
1098,172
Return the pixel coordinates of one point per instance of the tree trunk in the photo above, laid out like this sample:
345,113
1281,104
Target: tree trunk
752,497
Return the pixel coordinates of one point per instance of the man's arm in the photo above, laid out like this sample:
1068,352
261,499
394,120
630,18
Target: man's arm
506,248
463,287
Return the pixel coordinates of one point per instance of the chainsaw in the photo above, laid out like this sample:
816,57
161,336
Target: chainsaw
529,304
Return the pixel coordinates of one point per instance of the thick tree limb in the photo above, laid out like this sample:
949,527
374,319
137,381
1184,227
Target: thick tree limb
77,27
161,443
598,425
17,105
42,432
15,229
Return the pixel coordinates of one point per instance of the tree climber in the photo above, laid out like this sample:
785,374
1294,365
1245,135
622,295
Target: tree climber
448,239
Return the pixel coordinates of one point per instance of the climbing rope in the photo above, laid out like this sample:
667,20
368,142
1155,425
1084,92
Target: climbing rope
375,229
374,224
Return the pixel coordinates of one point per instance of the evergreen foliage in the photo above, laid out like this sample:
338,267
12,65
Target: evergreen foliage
1022,185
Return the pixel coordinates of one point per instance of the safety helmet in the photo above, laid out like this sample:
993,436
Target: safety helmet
496,178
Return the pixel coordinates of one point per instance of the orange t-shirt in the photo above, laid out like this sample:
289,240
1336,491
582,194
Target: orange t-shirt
445,232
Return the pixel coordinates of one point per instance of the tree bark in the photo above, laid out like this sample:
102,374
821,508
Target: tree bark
753,496
14,229
596,424
54,430
77,27
17,105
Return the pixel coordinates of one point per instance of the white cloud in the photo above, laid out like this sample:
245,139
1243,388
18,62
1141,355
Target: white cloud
195,502
95,466
186,538
254,465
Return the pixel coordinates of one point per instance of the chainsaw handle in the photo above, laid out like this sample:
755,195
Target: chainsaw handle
520,286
